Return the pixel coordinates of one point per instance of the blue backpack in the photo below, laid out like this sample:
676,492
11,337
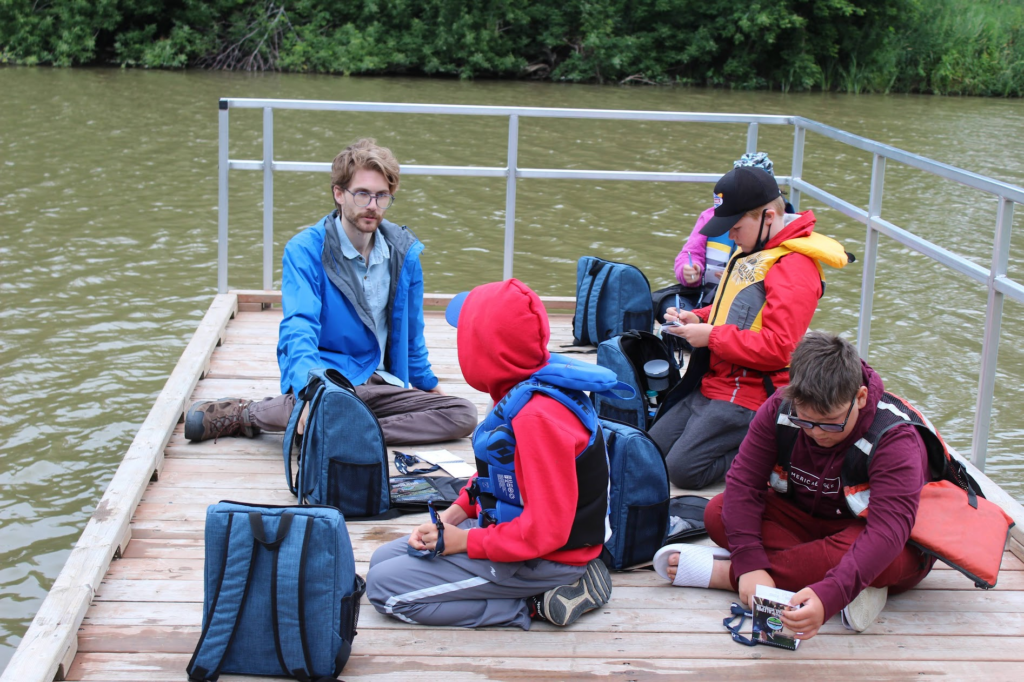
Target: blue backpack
281,593
343,461
611,298
626,355
639,496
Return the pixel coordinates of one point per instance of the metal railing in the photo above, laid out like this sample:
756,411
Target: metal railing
995,279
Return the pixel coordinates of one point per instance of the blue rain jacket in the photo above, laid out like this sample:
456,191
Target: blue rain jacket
325,328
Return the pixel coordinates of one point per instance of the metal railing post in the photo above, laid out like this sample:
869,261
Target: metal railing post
798,165
268,198
990,342
222,198
867,291
510,194
752,138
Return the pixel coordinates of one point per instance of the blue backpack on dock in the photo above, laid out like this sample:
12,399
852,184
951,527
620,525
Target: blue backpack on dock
639,496
343,461
611,298
626,355
281,593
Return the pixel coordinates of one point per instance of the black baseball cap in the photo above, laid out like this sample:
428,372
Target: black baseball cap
740,190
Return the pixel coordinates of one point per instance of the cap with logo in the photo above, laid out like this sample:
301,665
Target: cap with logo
740,190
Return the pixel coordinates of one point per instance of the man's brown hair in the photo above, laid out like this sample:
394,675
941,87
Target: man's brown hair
825,373
364,154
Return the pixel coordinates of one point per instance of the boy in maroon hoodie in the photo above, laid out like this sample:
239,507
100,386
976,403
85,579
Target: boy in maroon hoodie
762,308
807,540
529,566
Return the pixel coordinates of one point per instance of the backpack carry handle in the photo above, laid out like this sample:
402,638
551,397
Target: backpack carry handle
339,379
259,533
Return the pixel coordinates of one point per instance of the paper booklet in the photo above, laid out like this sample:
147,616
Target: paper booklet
767,607
451,463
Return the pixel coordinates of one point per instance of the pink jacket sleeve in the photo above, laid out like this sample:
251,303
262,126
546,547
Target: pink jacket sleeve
695,245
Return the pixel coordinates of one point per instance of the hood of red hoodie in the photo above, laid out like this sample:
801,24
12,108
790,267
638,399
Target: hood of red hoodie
503,336
800,226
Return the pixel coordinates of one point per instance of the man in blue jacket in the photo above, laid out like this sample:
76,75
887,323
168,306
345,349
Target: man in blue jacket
352,294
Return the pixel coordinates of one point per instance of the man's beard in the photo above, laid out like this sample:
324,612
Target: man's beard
358,223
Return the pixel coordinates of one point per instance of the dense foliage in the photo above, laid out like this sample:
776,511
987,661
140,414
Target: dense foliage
942,46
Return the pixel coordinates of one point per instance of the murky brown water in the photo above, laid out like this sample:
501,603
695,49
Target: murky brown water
108,201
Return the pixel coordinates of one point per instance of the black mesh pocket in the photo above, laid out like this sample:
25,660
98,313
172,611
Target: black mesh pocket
636,320
609,411
355,489
350,610
347,626
644,532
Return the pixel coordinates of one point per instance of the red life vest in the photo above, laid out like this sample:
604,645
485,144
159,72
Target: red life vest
954,522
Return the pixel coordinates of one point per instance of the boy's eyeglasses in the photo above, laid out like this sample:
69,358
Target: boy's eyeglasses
362,199
824,426
405,463
738,611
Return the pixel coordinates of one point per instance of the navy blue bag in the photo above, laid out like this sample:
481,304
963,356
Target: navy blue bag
343,461
611,298
638,499
281,593
626,355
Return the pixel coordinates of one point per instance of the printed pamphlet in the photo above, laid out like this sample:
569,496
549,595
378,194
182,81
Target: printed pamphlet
768,605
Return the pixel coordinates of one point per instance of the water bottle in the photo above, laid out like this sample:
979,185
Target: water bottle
652,404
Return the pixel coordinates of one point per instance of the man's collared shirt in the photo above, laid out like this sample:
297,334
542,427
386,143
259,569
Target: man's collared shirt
375,277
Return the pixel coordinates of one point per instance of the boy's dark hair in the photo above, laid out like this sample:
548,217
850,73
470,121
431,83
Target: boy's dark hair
824,373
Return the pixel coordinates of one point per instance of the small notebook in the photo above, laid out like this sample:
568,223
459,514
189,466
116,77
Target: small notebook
451,463
768,605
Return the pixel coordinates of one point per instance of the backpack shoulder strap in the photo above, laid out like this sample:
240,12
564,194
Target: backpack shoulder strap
785,436
288,573
226,605
291,444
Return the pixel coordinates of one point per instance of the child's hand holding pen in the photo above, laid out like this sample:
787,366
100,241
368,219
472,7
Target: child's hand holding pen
691,272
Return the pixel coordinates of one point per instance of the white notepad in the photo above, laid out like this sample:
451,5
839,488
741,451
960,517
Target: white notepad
448,461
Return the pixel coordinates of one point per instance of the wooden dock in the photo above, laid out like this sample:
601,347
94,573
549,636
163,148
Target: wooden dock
128,605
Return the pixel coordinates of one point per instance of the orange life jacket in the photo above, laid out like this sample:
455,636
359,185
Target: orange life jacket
954,522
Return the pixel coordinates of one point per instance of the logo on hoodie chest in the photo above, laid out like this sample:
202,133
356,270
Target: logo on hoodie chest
809,481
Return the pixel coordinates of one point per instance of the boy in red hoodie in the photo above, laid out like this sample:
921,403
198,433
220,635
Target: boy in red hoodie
743,340
796,530
543,563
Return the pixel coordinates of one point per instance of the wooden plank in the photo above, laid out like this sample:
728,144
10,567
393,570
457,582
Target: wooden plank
680,621
571,643
1016,547
426,668
52,632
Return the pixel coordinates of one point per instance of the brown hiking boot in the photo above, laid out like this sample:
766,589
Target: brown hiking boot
215,418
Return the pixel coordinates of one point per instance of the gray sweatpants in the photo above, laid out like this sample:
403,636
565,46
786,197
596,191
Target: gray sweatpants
458,591
700,438
406,415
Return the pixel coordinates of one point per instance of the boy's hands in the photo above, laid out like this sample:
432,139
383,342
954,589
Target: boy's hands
455,538
748,583
808,619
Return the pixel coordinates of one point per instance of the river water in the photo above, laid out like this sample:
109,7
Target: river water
108,198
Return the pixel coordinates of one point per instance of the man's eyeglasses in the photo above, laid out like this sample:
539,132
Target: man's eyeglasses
738,611
405,464
824,426
362,199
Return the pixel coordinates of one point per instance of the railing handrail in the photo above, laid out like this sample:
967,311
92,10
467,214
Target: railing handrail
995,278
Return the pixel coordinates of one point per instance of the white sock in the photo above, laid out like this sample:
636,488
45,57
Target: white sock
695,563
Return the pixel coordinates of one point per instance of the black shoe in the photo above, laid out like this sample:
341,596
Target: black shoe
563,605
215,418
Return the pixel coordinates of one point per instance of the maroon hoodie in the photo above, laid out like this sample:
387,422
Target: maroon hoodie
896,474
503,338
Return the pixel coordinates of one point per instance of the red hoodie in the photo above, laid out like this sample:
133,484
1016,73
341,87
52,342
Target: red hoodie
503,338
897,473
792,289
